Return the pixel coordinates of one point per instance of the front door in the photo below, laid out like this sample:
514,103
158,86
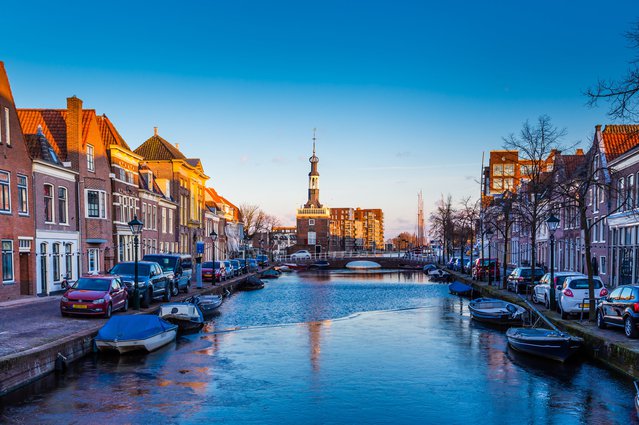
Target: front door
25,278
318,249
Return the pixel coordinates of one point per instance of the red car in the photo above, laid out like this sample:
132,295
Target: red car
207,270
98,295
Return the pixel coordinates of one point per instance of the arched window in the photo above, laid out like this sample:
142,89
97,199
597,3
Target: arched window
68,260
56,262
43,267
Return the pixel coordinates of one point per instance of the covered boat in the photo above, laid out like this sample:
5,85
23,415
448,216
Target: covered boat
270,274
187,316
637,398
461,289
319,264
547,343
439,275
496,312
208,304
250,284
133,333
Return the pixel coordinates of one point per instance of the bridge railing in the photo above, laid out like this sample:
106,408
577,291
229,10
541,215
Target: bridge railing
341,255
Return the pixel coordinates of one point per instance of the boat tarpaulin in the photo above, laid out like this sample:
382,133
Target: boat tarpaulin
126,328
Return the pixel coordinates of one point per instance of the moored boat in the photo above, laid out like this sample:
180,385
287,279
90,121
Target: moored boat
187,316
461,289
637,398
496,312
208,304
134,333
548,343
250,284
319,264
269,274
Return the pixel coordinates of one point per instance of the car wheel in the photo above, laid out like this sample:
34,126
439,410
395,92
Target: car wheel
108,311
175,289
126,304
564,315
546,302
187,288
601,324
629,327
534,298
146,299
168,290
516,289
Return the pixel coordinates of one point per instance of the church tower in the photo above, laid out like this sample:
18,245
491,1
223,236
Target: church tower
313,180
313,218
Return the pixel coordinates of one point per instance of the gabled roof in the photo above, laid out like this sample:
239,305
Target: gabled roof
53,125
156,148
572,164
618,139
109,134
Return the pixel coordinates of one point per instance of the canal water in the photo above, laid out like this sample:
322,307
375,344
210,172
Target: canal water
331,348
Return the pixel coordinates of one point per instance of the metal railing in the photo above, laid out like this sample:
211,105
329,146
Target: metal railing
584,309
413,258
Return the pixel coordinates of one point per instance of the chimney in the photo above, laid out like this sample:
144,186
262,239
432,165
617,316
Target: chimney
598,127
177,146
155,131
579,152
74,130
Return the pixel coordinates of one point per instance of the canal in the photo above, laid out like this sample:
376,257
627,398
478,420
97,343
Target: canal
331,348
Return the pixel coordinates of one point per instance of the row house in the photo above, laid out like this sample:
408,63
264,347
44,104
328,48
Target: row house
17,226
75,138
183,180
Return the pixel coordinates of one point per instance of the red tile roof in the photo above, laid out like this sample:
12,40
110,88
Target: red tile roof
109,134
54,126
619,139
156,148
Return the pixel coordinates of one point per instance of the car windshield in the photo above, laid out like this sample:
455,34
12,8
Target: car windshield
217,264
167,263
583,284
207,264
487,262
128,269
92,284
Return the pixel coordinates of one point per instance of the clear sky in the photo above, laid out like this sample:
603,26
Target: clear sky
405,95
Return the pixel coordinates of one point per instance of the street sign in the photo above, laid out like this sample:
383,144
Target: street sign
200,247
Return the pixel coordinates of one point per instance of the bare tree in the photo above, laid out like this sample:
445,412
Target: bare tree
465,219
442,224
498,217
536,144
255,220
621,94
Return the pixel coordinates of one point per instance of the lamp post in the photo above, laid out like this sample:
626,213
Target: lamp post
489,235
553,224
136,228
213,237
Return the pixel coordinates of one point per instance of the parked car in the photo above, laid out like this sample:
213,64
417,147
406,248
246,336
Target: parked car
152,281
230,271
98,295
207,270
620,309
243,265
486,267
262,260
236,267
468,267
220,271
179,266
521,280
301,255
451,262
574,295
541,291
252,265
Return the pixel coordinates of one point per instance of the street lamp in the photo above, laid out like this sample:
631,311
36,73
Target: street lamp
136,228
553,224
489,234
213,237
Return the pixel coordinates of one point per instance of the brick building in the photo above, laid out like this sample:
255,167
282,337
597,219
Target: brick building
17,228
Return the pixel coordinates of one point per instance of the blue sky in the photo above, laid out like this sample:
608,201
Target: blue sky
405,95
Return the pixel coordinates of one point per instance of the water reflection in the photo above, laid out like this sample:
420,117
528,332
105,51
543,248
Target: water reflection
348,349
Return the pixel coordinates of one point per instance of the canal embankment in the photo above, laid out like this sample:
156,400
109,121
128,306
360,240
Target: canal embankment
608,346
35,340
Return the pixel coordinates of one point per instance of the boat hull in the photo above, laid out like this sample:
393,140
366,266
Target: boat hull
553,347
148,344
496,312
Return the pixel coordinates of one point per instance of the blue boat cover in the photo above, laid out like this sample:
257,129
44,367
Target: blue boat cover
459,287
126,328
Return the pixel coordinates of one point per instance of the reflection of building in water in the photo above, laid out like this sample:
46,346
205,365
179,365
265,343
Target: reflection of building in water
315,341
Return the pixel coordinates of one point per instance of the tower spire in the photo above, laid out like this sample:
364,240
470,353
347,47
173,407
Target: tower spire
313,178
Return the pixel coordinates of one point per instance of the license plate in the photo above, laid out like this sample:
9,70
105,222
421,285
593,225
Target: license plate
79,306
585,306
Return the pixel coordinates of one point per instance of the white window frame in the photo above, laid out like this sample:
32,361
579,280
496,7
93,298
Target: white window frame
95,253
311,222
602,264
56,263
102,214
312,238
7,127
90,158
